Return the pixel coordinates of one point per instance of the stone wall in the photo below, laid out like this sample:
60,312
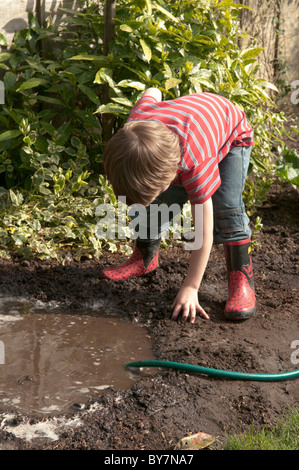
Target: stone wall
14,13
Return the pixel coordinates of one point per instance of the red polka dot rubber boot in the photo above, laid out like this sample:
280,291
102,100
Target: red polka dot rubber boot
241,296
144,259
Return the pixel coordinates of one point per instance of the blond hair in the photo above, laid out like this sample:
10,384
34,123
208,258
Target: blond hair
141,159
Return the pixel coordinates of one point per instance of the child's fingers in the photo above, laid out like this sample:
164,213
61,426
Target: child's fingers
192,313
176,311
202,312
187,310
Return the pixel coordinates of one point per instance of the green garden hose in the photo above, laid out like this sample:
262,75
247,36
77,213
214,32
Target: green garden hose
226,374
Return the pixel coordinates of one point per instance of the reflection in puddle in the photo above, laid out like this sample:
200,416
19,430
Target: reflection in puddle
55,358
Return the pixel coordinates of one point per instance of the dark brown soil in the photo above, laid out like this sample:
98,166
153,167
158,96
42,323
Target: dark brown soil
161,409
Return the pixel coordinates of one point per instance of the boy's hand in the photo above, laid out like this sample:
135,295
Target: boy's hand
186,303
154,93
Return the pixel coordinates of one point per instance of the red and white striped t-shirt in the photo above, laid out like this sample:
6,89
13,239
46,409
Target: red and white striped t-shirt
208,125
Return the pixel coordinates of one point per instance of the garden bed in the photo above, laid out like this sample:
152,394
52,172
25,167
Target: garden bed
162,408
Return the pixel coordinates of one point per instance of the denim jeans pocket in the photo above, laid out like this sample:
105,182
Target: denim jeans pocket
230,221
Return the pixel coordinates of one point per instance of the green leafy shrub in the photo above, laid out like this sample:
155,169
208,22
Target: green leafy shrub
287,167
61,88
47,105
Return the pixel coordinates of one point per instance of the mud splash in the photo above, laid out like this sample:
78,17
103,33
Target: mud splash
54,360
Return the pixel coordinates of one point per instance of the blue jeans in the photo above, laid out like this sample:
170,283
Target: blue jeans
231,222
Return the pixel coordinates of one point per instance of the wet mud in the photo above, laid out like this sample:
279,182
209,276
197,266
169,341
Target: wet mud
55,360
160,409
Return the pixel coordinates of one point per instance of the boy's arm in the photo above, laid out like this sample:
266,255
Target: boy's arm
154,93
151,93
186,301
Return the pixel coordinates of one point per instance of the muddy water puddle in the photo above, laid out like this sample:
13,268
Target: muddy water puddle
52,360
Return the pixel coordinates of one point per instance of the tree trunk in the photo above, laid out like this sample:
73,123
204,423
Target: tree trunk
276,61
109,15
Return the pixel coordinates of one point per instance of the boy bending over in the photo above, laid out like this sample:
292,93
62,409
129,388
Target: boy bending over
194,148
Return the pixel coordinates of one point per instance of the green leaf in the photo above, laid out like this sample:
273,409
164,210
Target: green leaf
36,226
49,100
251,53
37,66
171,82
16,198
4,122
9,135
63,133
45,34
149,6
104,75
32,21
126,28
261,93
90,93
96,58
196,85
44,190
5,56
269,85
111,108
232,5
68,76
165,12
15,114
48,128
240,92
41,144
201,38
131,84
4,66
123,101
3,41
146,50
70,221
198,82
9,80
229,77
288,167
201,73
75,142
32,83
288,173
